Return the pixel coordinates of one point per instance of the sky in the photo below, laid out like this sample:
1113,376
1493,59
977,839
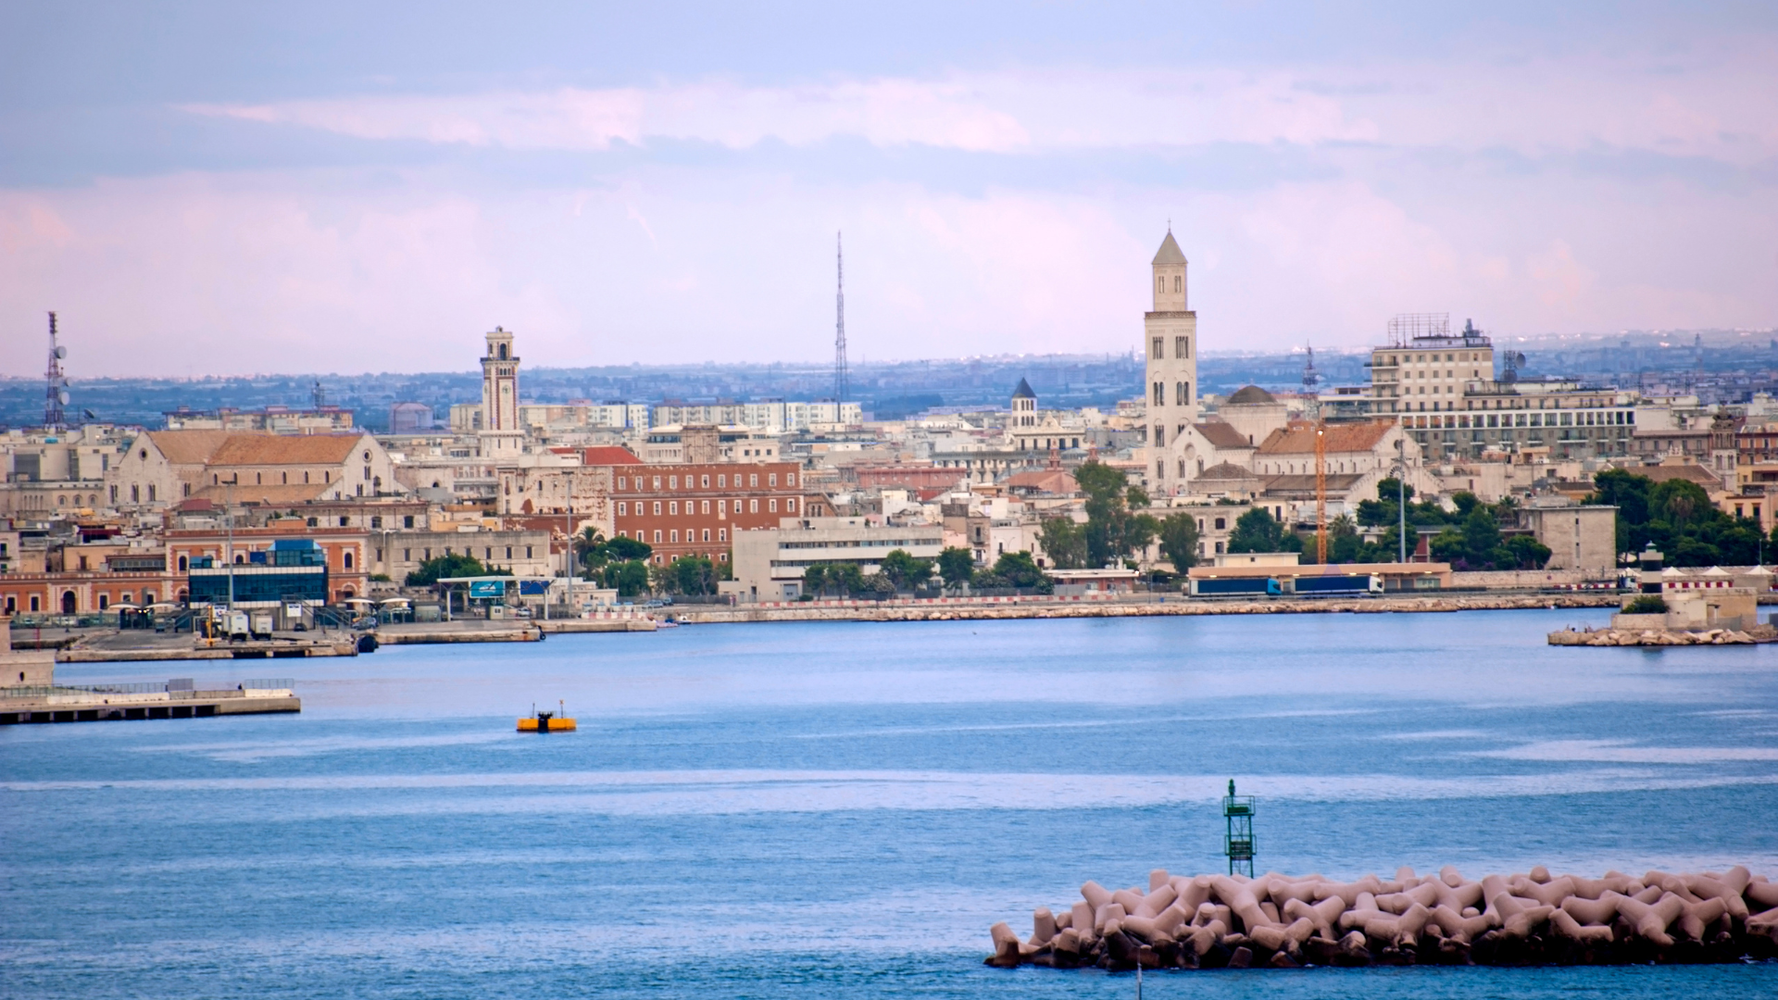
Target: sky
225,188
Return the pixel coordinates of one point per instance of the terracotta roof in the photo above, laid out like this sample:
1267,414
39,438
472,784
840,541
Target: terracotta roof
1169,252
1299,438
1305,485
276,494
1223,435
283,449
608,455
1225,470
188,447
1695,473
1250,395
1044,481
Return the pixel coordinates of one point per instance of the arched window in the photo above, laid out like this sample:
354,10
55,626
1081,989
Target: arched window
348,558
1178,283
183,564
503,352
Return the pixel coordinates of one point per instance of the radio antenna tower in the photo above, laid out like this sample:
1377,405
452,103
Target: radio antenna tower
56,392
839,328
1311,377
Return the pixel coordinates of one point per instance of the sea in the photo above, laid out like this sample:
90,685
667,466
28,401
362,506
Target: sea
843,808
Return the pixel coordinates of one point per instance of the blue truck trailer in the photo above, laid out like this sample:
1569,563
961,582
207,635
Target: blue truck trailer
1240,586
1338,586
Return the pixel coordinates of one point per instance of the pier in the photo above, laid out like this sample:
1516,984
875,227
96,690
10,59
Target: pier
172,699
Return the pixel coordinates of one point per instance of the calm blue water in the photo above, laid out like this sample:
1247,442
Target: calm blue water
827,809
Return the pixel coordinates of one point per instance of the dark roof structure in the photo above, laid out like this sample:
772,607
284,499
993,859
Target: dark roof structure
1023,391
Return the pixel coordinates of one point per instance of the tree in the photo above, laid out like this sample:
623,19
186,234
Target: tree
903,571
1113,531
692,575
833,579
1256,531
1179,541
1528,552
1018,569
452,565
629,578
1064,541
956,566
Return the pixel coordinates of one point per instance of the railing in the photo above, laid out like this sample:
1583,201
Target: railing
269,683
150,687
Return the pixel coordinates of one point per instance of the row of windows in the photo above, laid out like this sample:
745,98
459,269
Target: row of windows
672,537
1585,418
1395,359
1182,393
71,603
1157,348
704,481
866,543
1160,284
694,507
407,555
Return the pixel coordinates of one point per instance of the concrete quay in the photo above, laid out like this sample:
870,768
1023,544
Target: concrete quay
125,646
100,703
1038,607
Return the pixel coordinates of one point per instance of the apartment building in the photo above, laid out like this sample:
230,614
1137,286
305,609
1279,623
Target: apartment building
770,563
699,509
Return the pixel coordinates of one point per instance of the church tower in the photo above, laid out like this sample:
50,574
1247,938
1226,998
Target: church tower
1171,349
501,432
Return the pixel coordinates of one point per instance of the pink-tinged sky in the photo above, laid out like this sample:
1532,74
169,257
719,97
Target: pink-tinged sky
206,189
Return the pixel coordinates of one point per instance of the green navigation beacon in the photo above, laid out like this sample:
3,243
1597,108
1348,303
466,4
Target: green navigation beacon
1237,843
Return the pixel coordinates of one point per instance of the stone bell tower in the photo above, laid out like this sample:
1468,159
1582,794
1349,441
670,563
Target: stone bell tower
1171,350
501,431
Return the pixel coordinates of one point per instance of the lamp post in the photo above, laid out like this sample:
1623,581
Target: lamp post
1401,489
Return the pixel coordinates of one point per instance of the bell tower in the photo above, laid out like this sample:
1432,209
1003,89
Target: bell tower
501,431
1171,351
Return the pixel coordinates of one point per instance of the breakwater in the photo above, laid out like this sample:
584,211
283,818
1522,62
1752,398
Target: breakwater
1135,607
1530,918
1664,637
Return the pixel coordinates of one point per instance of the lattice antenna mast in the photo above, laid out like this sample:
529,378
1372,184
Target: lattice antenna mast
56,390
839,328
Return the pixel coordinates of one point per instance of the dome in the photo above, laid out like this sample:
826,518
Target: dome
1251,395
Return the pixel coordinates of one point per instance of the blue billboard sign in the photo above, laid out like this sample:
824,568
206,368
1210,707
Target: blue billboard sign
487,588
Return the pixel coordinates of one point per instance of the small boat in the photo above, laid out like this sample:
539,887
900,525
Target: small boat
666,623
547,722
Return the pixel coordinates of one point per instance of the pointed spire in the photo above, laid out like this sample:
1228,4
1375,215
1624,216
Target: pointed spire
1023,391
1169,252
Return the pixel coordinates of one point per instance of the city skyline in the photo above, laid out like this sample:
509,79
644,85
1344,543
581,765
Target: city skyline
264,192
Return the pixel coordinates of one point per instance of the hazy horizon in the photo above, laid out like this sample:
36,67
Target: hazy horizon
203,189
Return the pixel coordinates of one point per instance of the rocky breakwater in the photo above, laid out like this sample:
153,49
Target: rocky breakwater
1532,918
1663,637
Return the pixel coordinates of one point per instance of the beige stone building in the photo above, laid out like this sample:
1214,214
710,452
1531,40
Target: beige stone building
1170,333
1579,537
163,467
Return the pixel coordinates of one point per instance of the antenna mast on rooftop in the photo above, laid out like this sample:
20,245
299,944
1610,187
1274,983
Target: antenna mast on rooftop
56,391
1311,377
839,327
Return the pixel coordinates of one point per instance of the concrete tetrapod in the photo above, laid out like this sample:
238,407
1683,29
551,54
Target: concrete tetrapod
1526,918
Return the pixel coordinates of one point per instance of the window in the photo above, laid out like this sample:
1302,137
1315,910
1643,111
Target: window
1179,282
623,482
1154,349
376,520
753,480
623,509
772,480
721,481
790,504
1182,347
114,491
772,505
657,485
657,508
509,552
704,481
1160,435
673,484
790,479
705,507
722,534
528,552
673,507
673,535
1160,284
344,521
657,536
1160,394
183,564
348,559
426,555
753,506
407,520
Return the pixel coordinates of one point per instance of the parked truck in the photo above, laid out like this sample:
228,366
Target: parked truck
1240,586
261,625
234,625
1339,586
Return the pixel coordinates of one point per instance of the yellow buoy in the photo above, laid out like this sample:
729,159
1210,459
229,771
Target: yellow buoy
547,722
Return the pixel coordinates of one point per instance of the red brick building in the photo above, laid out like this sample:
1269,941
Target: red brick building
696,509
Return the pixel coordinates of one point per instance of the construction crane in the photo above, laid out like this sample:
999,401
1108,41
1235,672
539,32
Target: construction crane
1321,492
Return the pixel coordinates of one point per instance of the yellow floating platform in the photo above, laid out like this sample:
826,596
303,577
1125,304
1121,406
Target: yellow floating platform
546,724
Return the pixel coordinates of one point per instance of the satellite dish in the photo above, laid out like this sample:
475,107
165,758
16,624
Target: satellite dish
63,396
61,352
